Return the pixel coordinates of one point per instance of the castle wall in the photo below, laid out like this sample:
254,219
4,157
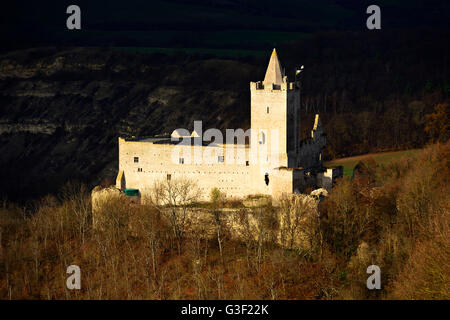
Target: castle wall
157,161
282,182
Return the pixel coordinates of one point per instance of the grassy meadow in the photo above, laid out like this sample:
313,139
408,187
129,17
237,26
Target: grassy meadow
381,158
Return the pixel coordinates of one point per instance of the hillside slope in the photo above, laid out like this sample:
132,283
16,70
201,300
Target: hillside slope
62,111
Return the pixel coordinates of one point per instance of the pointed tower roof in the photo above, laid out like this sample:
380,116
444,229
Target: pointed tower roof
273,73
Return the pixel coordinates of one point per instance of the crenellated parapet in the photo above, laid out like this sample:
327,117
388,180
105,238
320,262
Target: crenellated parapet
284,86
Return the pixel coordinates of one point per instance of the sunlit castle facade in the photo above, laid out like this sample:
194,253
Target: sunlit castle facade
267,159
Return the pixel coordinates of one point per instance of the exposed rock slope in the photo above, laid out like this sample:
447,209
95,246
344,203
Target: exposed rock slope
62,110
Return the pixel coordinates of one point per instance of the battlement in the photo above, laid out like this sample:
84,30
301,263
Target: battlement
285,86
275,79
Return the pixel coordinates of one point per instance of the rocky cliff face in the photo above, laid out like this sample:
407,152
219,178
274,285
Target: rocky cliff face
62,110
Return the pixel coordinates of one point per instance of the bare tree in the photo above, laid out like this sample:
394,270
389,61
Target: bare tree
172,198
296,213
257,228
216,198
266,225
76,196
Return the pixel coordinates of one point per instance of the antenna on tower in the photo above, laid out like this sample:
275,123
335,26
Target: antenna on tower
298,70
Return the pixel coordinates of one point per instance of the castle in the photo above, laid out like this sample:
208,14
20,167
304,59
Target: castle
269,159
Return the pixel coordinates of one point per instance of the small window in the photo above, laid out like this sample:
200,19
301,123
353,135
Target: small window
181,160
266,179
263,138
169,176
139,169
221,159
247,163
267,109
136,159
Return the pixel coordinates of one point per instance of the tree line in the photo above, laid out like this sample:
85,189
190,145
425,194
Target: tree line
395,216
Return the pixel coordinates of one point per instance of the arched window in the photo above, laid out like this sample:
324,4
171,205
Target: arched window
263,138
266,179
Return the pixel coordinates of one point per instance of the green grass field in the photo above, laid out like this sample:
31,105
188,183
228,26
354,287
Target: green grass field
381,158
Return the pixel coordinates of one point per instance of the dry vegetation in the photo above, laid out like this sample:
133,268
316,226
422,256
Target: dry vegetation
396,217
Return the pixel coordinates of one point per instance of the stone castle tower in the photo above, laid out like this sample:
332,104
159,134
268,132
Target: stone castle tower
275,105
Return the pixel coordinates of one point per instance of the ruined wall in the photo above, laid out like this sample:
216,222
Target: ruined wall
101,197
328,177
244,223
309,155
